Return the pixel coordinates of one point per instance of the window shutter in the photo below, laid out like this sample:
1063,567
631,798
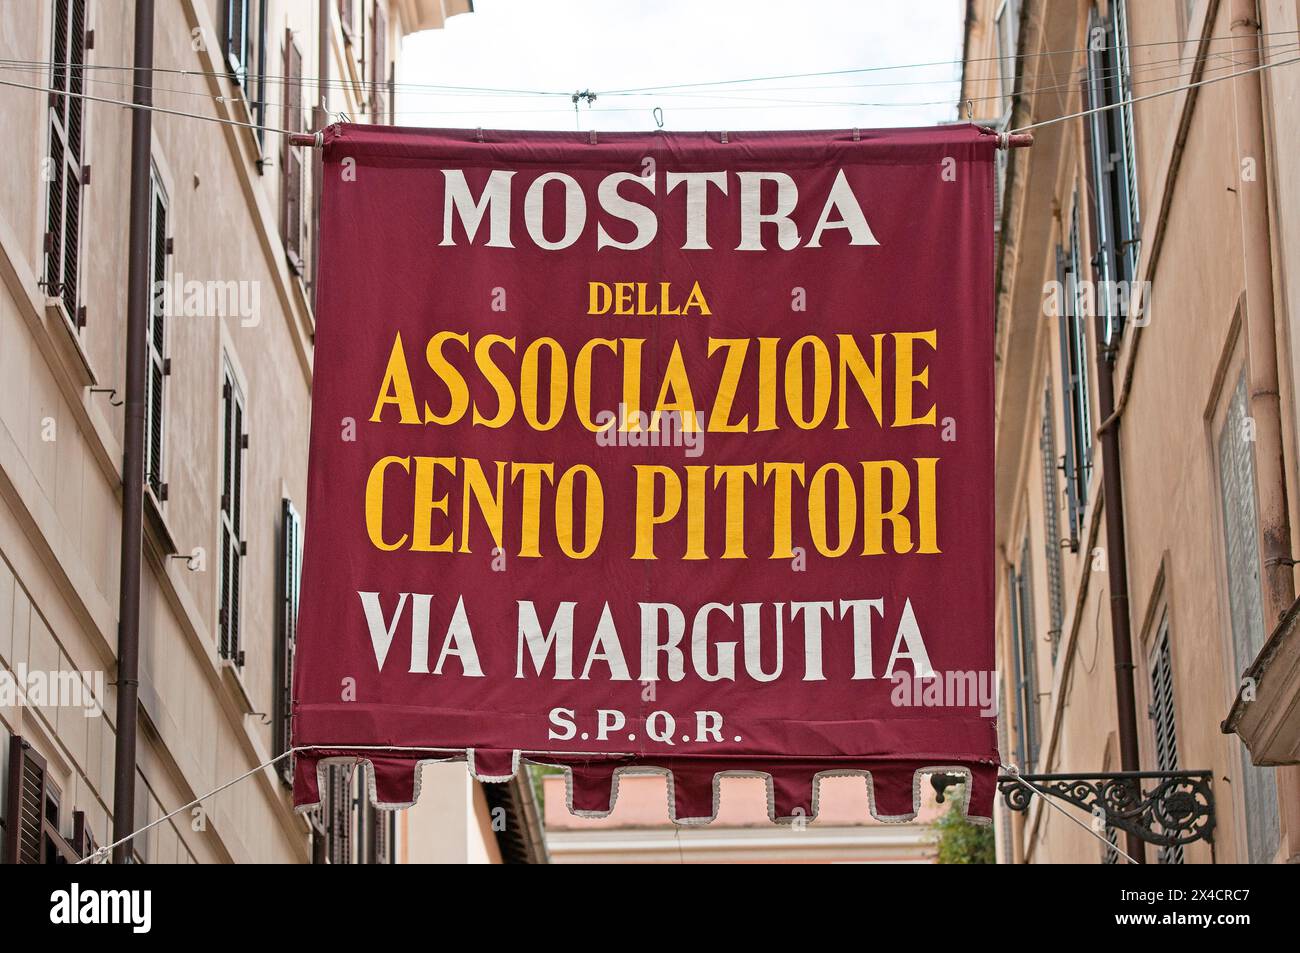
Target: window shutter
63,171
1245,601
291,218
237,38
1051,524
346,19
156,343
1163,721
290,575
1068,464
25,812
379,64
231,518
1028,652
1017,669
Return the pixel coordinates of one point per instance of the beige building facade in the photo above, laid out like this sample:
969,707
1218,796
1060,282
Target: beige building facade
1146,482
230,358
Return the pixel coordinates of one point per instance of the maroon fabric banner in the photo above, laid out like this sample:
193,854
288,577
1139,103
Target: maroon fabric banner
653,452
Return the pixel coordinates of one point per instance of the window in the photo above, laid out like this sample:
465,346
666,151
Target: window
244,36
1163,723
1112,165
236,37
1024,659
347,19
62,170
286,636
291,198
352,830
159,365
1051,525
379,66
234,442
1075,386
33,811
1245,600
1006,31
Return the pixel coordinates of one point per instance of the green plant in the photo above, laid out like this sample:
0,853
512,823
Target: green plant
959,840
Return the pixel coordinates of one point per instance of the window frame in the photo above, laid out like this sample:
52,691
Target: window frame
61,253
230,516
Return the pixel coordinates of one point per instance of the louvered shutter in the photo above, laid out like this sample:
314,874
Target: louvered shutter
1051,524
290,576
64,171
291,217
25,812
232,503
1258,789
379,65
1028,651
1163,722
237,38
1068,463
156,341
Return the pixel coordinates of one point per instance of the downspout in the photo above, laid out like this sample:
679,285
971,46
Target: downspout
137,321
1259,327
1117,571
320,119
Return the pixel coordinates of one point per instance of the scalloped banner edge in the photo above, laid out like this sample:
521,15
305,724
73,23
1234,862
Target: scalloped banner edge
633,770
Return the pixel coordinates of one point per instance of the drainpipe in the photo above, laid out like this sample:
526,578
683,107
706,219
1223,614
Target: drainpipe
1117,571
1260,330
137,320
320,118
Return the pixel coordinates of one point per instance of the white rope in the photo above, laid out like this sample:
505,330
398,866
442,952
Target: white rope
1034,789
156,109
1163,92
107,848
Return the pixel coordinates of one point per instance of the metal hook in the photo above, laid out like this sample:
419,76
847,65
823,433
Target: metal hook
112,392
658,115
970,109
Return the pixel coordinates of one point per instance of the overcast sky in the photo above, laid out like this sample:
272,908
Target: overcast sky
609,46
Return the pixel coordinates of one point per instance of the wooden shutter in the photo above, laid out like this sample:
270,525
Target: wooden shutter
1068,464
156,341
339,824
1258,788
290,575
1028,652
379,65
236,23
347,19
63,170
25,812
1163,723
291,217
234,443
1051,525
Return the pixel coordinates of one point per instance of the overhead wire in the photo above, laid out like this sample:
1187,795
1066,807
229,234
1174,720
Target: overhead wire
744,96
